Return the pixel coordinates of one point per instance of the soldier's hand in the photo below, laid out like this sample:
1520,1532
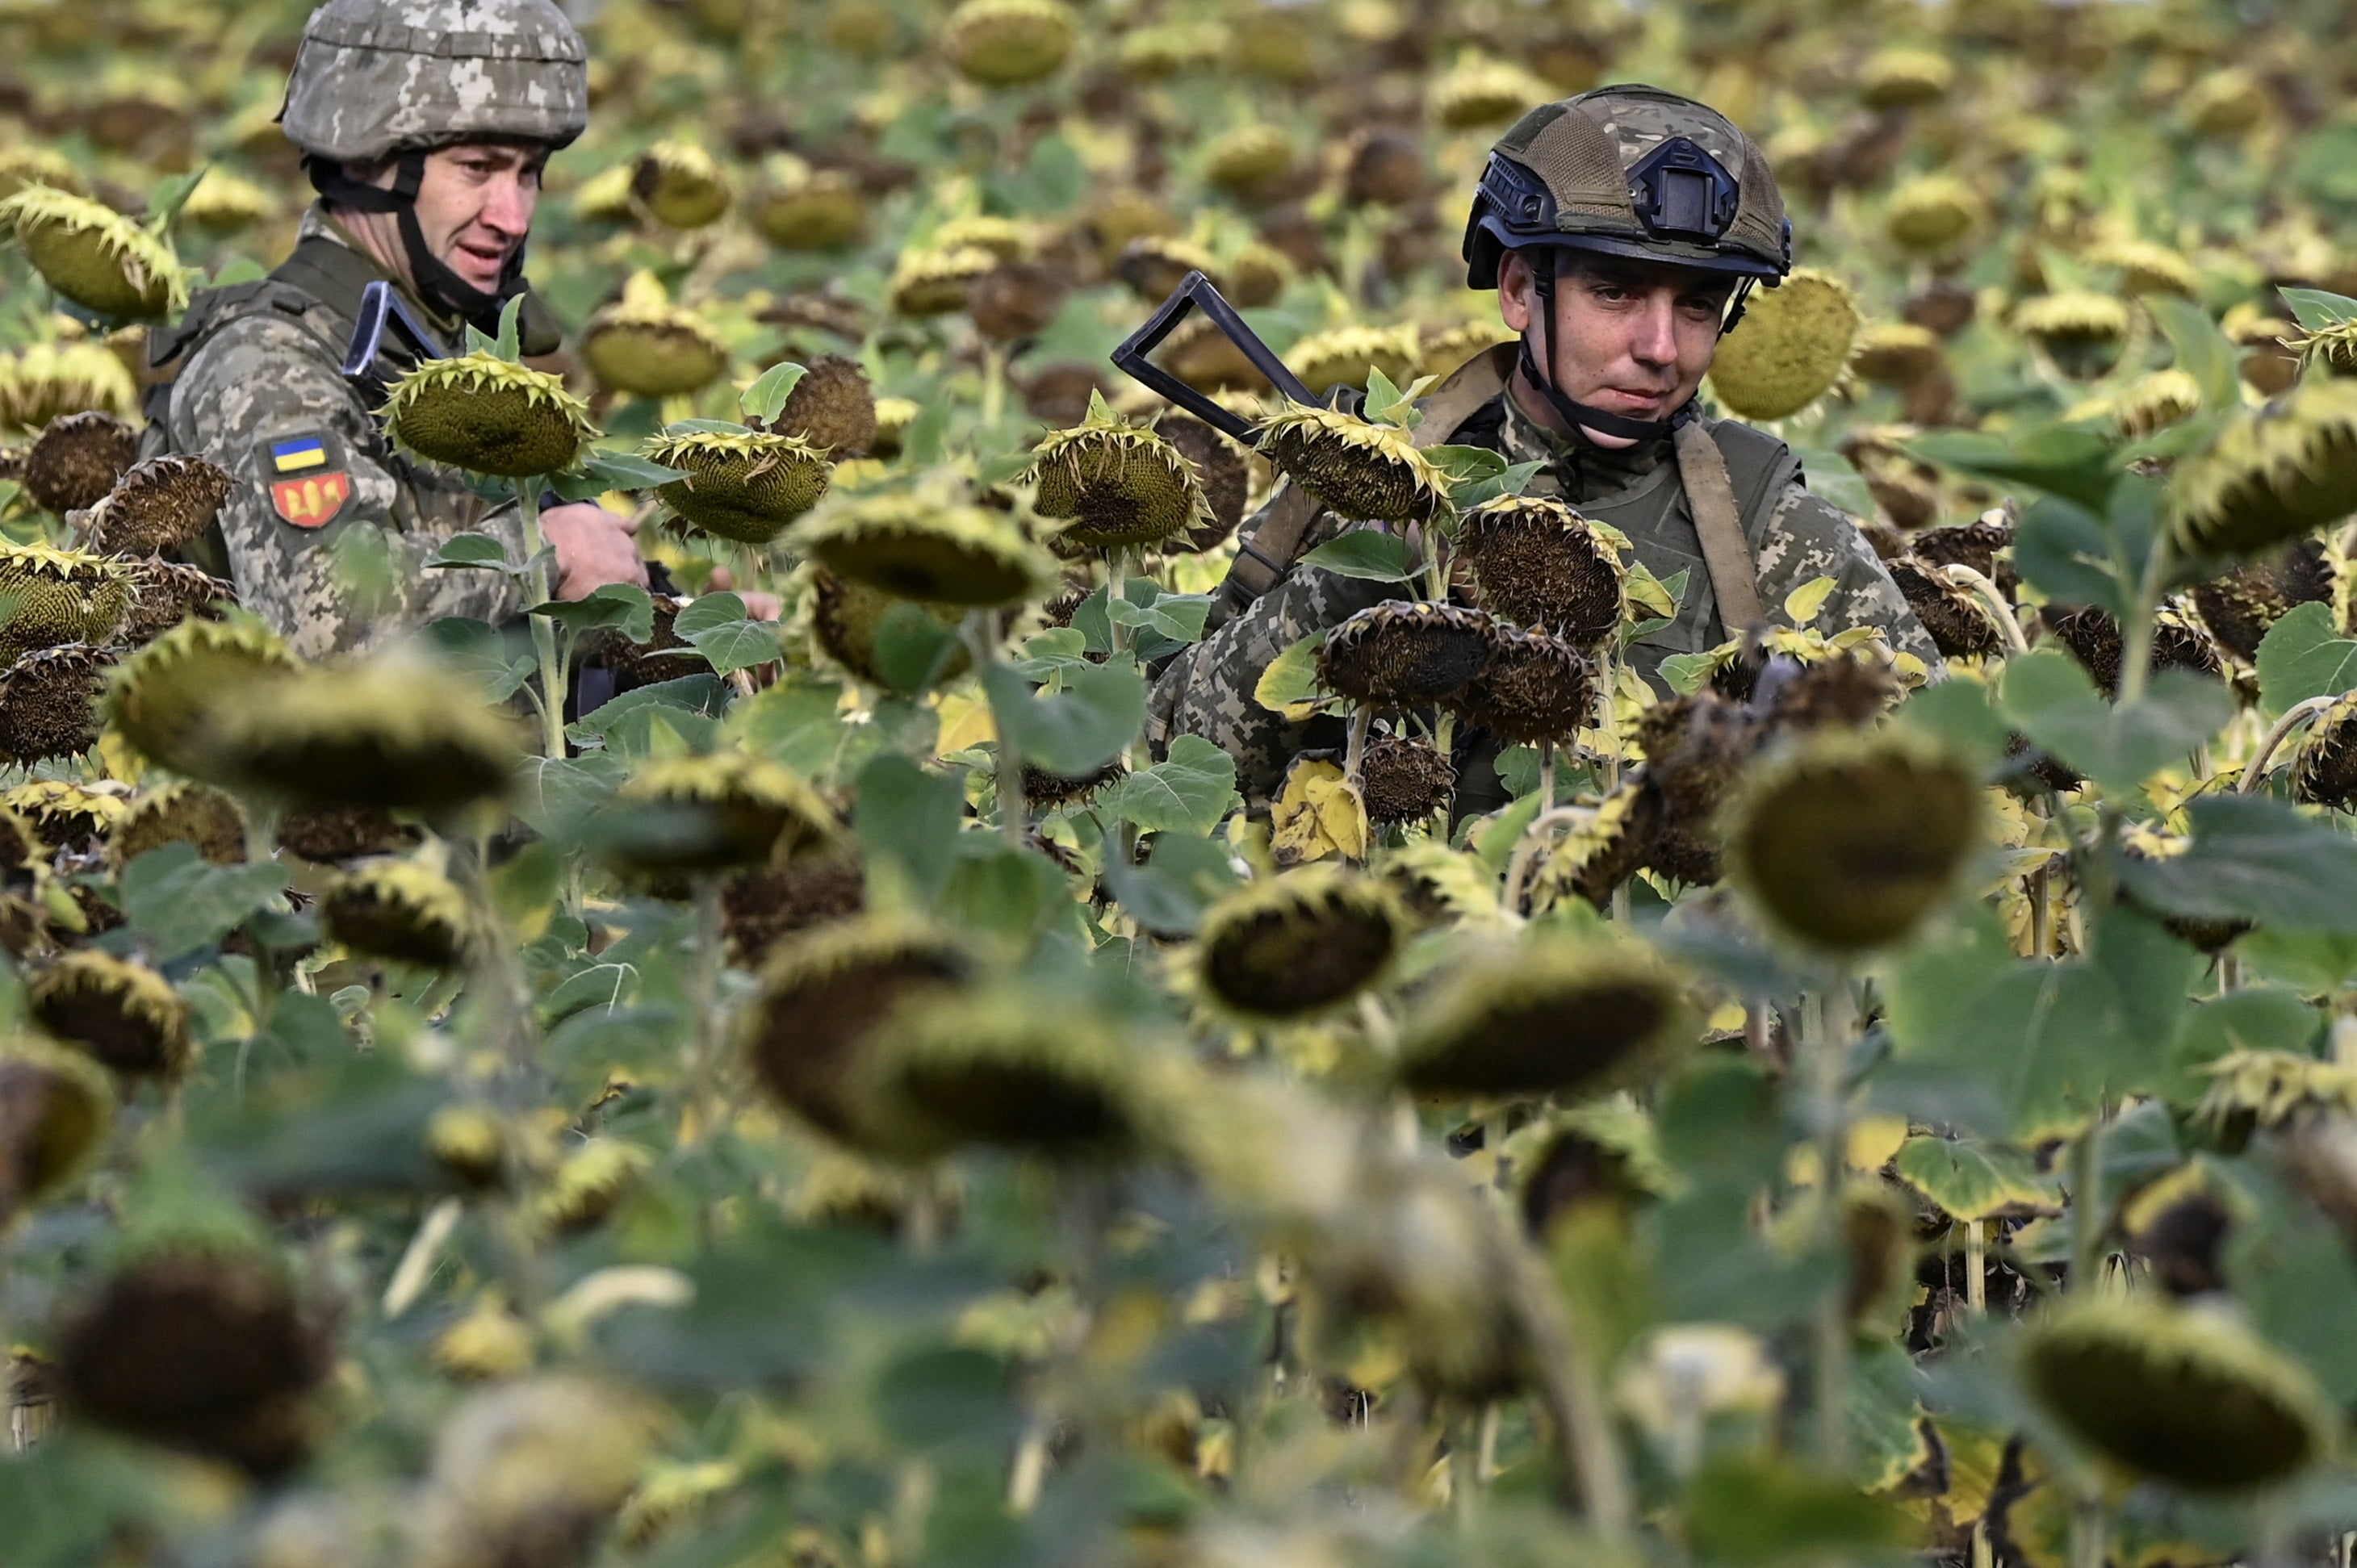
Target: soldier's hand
593,547
759,605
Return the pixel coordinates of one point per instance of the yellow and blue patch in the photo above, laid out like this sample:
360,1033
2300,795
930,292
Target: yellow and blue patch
301,452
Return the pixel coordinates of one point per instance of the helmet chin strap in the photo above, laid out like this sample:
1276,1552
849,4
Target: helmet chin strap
438,286
1579,415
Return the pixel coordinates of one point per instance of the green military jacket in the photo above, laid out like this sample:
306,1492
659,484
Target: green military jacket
1795,537
326,533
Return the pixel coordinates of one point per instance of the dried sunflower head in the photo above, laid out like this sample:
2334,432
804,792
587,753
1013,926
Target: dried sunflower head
1603,852
123,1014
2146,268
933,550
588,1185
184,812
480,412
2241,606
205,1349
1347,356
392,731
96,256
1956,617
1358,468
48,702
63,814
1603,1152
1225,473
1007,43
158,505
1400,654
332,835
1044,788
56,1108
1904,77
2156,401
1293,945
1154,265
2274,473
51,597
1006,1068
832,407
931,281
2177,1395
43,383
804,208
1535,688
844,617
2081,330
526,1473
681,185
1478,92
1932,213
1896,353
1791,347
682,816
1405,779
77,460
1546,1015
763,905
824,995
743,486
1847,843
165,592
2326,773
1122,486
644,345
401,910
1539,563
1246,161
2093,638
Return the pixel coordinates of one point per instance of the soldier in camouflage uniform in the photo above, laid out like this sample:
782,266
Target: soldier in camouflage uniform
424,124
1624,229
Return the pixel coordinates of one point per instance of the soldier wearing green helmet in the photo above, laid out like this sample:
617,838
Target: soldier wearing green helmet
1624,231
423,125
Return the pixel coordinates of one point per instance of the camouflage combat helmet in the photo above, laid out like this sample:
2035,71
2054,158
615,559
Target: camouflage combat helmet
395,78
378,76
1627,171
1630,171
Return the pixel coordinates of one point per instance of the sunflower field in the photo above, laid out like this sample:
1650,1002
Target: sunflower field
857,1094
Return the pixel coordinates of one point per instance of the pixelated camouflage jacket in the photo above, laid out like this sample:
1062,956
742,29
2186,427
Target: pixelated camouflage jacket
1795,537
254,380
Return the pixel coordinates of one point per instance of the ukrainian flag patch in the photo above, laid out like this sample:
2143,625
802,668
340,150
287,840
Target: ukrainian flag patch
301,452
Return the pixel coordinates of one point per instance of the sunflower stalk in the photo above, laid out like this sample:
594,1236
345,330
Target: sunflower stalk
1825,1049
1593,1466
705,1106
543,629
2295,716
1014,818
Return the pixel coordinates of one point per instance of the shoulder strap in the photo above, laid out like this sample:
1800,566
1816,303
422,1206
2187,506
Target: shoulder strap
1268,552
1718,521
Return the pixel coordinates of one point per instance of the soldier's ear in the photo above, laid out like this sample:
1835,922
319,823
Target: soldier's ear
1517,291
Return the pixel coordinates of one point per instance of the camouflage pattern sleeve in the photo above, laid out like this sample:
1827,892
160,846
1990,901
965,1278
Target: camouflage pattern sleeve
1208,690
1807,538
320,490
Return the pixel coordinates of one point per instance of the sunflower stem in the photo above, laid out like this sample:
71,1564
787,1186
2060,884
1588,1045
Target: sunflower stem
2090,1540
1546,776
1826,1047
543,630
1014,820
1975,1269
1593,1465
1116,587
2296,716
2086,1204
2135,636
704,1107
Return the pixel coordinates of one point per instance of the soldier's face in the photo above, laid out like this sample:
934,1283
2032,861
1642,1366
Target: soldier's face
1630,337
475,205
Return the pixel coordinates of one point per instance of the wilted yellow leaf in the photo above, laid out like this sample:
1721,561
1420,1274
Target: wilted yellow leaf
1319,813
1289,684
1804,602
